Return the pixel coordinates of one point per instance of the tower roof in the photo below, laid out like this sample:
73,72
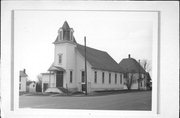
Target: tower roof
67,34
65,37
23,73
65,26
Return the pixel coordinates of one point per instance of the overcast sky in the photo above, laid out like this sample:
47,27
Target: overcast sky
118,33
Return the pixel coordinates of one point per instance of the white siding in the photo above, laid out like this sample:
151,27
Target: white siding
81,67
135,83
70,66
60,49
106,85
49,78
22,84
32,87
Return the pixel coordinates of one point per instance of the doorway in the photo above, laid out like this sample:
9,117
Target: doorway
83,85
59,79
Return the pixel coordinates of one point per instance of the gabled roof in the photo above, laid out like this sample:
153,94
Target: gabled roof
29,82
55,68
148,76
23,74
99,59
131,65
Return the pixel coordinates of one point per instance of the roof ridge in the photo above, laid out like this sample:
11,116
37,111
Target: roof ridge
100,59
91,48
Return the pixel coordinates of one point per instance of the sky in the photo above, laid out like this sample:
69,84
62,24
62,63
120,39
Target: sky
117,32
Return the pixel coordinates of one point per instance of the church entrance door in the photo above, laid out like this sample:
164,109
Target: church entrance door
59,79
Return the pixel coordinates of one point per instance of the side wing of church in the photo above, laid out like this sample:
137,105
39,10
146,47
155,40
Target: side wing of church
67,71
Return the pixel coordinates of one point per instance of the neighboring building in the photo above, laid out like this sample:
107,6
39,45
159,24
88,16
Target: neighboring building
134,70
68,68
31,86
22,80
149,82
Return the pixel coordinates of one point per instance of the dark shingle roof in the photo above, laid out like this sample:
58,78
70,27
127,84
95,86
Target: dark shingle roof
66,38
29,82
131,65
66,34
65,26
99,59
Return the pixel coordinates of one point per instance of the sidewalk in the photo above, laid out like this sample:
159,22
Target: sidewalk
80,94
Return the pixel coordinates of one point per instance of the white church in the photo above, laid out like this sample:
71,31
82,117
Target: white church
67,71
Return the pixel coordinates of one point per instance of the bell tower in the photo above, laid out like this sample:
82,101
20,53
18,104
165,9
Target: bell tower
65,43
65,34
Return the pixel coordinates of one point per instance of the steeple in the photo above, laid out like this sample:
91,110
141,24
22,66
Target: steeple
65,34
66,26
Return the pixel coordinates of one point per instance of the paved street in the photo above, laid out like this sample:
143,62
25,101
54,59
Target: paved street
126,101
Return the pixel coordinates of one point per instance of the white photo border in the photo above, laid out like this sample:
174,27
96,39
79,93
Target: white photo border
11,110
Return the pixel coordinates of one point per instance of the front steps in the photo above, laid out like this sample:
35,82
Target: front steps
56,90
53,90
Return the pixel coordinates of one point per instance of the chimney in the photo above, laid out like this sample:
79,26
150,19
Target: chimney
24,70
139,61
129,56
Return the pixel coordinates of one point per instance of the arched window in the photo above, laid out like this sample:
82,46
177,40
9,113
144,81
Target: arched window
60,34
71,34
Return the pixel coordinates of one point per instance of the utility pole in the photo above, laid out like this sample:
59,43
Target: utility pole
139,75
85,66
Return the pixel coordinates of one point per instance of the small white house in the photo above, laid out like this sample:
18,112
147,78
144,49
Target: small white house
31,86
68,67
134,73
22,80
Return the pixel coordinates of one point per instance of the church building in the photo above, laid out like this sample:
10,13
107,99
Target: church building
67,71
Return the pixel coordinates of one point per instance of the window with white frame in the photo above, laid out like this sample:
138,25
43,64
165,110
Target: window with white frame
103,77
142,75
120,78
71,76
109,78
144,83
61,35
59,58
115,78
95,76
82,76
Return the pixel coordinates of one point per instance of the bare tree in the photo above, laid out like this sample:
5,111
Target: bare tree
39,77
39,83
129,82
146,64
129,79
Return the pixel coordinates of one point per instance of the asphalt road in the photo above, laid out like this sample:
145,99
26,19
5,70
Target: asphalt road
126,101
